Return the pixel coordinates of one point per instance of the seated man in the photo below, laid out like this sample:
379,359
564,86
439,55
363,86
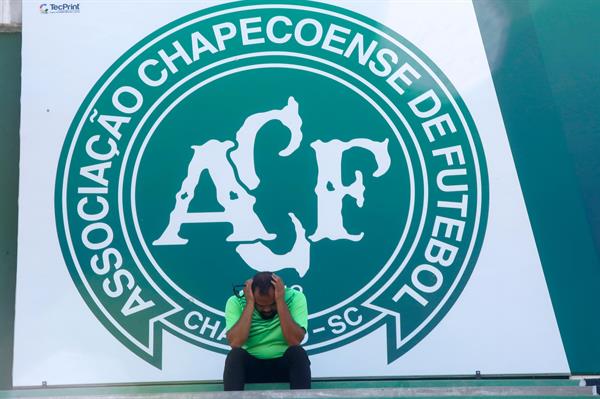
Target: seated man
265,329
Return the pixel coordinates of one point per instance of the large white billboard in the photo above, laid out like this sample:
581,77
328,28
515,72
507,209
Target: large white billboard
170,150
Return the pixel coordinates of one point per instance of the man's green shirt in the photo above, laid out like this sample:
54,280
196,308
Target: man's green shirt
265,339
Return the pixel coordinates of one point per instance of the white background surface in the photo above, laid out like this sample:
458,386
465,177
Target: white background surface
502,323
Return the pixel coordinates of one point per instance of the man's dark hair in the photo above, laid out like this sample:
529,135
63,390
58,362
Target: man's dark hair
262,282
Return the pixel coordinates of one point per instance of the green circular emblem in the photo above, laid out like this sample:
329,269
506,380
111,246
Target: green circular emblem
294,137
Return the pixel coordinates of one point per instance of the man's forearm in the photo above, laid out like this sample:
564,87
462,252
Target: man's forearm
292,332
238,334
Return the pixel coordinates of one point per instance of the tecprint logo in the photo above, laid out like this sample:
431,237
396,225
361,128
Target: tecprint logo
65,8
303,139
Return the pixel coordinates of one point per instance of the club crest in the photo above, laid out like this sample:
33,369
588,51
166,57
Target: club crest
294,137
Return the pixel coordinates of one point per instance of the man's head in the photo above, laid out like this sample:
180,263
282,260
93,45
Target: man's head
264,295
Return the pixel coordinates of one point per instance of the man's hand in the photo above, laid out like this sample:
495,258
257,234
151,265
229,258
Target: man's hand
292,332
279,289
248,294
238,334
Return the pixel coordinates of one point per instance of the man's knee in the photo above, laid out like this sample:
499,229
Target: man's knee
297,353
235,370
235,355
299,367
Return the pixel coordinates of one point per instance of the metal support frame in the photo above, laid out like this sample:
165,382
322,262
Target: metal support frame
10,13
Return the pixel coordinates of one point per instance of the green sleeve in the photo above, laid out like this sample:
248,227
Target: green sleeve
233,312
299,310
